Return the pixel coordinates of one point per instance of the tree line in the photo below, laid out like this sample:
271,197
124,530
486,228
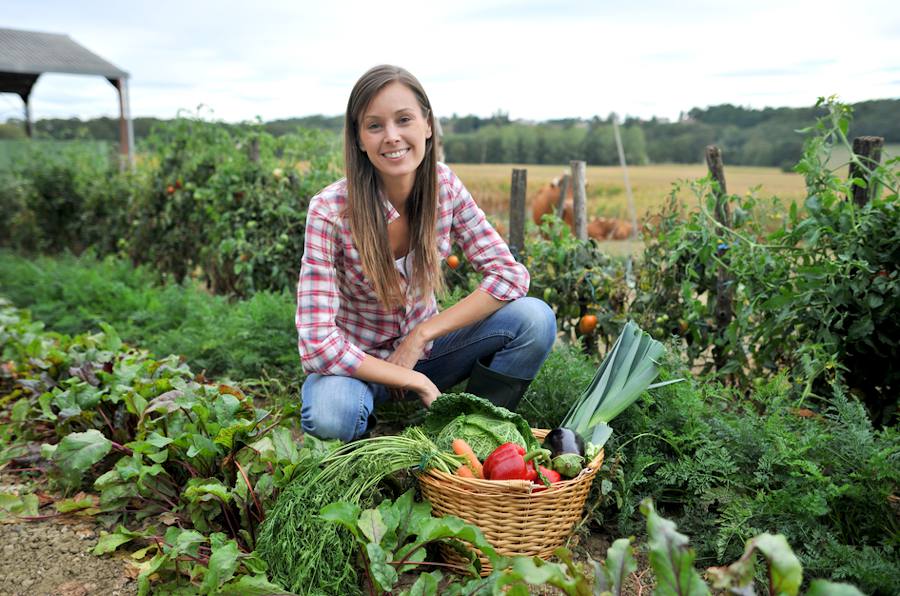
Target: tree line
762,137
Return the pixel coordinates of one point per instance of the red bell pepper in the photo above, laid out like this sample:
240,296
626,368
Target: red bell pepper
510,462
552,476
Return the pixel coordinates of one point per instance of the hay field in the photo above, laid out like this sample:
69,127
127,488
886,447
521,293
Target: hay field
650,185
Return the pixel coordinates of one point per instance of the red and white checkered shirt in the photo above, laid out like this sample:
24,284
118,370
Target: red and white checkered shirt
339,317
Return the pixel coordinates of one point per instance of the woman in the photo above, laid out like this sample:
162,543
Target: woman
367,318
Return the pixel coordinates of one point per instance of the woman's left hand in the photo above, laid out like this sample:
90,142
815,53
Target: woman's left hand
410,350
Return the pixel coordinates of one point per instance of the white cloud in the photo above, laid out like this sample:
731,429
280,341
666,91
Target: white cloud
533,59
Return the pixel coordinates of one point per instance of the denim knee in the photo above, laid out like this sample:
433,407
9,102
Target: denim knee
335,407
538,323
533,325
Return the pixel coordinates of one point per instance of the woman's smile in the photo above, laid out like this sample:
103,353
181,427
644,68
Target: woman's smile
393,132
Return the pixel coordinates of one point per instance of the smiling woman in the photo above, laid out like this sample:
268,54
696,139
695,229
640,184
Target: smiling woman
367,317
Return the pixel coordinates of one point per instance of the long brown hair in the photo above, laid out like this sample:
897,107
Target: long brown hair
365,208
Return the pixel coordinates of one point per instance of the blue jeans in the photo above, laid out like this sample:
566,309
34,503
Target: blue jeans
513,341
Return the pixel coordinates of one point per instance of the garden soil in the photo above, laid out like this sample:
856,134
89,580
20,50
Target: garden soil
53,557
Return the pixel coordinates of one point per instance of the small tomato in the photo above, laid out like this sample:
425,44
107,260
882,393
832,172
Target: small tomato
453,261
587,324
170,189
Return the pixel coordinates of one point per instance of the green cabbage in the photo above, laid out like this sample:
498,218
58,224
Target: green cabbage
482,433
480,423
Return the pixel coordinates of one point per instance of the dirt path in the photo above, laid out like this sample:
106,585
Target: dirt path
53,557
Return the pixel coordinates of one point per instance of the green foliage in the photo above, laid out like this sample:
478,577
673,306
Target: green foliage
815,293
156,443
248,339
225,204
560,381
576,278
229,201
393,537
727,468
310,556
211,564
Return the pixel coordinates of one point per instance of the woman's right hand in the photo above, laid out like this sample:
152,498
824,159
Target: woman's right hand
423,387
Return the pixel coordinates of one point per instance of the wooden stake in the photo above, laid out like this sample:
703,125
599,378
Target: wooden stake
724,307
868,150
579,200
517,191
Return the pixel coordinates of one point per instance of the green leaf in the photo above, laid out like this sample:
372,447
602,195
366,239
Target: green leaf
285,447
384,574
250,585
77,452
19,411
449,526
342,513
821,587
225,436
148,568
222,564
671,558
207,489
109,542
201,445
77,503
157,440
372,525
426,584
784,567
24,505
619,564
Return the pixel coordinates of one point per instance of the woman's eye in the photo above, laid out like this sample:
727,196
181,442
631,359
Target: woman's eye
405,119
373,126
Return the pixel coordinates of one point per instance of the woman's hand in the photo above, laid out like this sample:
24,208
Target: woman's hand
410,350
423,387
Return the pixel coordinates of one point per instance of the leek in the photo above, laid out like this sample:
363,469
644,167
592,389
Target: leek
625,373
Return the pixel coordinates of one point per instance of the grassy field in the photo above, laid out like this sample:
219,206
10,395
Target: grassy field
650,185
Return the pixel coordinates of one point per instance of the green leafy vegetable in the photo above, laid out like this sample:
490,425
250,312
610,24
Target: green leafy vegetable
480,423
304,552
625,373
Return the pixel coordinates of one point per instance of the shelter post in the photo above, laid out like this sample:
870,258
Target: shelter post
28,131
126,138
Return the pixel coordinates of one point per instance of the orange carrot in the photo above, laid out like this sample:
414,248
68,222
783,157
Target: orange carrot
464,471
460,447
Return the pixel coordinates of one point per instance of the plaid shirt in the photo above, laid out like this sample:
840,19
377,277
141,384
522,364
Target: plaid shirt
339,317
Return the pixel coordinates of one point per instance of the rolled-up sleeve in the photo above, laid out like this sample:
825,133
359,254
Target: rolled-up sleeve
323,347
504,278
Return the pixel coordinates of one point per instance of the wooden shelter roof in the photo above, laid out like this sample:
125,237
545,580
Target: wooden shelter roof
34,53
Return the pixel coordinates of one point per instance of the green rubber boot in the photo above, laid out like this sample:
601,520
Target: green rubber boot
499,389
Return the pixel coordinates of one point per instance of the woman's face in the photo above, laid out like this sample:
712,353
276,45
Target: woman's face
393,131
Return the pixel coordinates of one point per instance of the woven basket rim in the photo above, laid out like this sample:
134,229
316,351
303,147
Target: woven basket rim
514,487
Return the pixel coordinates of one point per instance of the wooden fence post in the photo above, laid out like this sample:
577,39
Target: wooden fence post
563,190
724,308
253,150
517,212
579,200
868,150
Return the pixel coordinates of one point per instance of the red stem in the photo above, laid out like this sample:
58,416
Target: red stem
122,448
261,515
39,517
108,423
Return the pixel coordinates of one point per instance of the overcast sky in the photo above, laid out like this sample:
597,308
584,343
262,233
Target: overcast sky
533,59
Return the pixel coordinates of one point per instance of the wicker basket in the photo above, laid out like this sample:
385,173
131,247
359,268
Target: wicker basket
515,519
